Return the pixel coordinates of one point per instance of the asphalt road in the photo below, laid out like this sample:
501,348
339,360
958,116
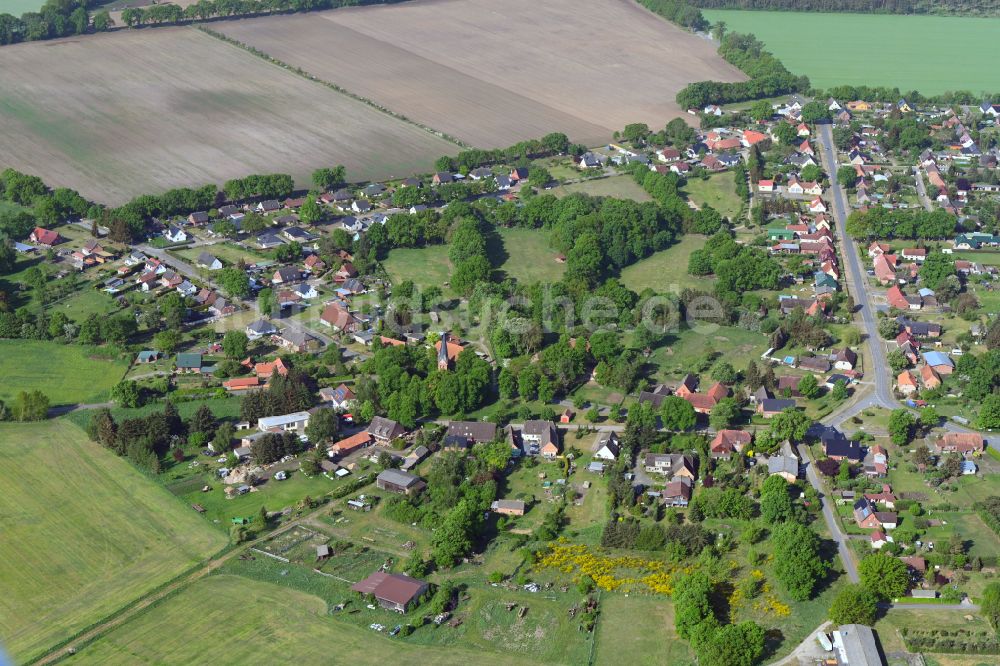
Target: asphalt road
857,284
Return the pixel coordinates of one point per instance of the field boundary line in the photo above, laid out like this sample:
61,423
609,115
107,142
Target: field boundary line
264,552
331,85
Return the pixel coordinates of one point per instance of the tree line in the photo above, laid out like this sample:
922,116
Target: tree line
892,95
553,143
56,18
204,10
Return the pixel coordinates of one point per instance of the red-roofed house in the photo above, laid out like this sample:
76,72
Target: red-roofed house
961,442
897,298
929,377
885,268
906,382
44,237
728,441
752,138
765,186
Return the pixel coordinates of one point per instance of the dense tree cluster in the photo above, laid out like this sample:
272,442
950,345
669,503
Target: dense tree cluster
881,222
798,564
861,6
269,186
411,387
272,447
768,76
143,440
285,394
694,618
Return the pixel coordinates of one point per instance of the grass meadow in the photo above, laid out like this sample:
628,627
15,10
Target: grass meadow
65,373
84,534
257,622
620,187
639,630
666,269
717,191
932,54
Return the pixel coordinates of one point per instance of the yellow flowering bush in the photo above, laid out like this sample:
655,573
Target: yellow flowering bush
608,572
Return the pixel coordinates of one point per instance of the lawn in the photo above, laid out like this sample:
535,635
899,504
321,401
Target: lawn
229,254
261,623
638,630
620,187
84,534
526,256
547,634
425,266
686,351
717,191
986,257
666,271
81,304
878,49
529,258
65,373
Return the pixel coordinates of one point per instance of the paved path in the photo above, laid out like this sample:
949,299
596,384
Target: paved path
60,410
843,549
922,189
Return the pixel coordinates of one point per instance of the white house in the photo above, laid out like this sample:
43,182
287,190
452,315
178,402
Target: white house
765,186
817,206
606,446
794,187
294,422
175,234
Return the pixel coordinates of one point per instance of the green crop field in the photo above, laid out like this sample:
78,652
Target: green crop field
84,534
667,269
931,54
258,623
65,373
18,7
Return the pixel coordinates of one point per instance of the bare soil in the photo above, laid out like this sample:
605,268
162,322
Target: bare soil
494,73
137,112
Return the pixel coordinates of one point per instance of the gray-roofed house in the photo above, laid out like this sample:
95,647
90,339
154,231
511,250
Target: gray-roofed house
508,507
785,466
402,483
414,458
474,431
540,438
385,430
260,328
606,445
209,261
855,645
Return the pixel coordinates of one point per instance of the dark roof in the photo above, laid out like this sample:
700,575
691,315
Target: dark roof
394,588
776,404
480,431
836,444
